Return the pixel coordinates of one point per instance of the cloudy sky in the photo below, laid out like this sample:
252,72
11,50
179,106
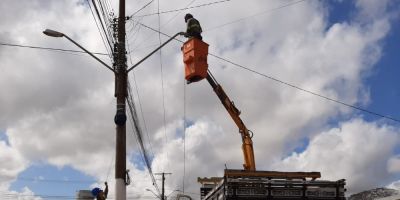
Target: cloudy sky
57,133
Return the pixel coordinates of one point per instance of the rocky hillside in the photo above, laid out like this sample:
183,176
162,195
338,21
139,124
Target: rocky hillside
374,194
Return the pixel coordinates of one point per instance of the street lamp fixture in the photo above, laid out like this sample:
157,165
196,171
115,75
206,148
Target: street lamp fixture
53,33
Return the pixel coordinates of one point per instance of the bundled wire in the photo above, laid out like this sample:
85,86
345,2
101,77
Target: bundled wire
139,135
105,36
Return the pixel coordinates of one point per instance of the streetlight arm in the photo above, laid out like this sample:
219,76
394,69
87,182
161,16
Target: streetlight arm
88,52
155,50
153,193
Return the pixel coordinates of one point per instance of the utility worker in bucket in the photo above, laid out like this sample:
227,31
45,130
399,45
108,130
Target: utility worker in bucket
99,194
193,28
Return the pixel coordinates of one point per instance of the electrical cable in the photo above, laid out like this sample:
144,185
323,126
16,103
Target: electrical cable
133,29
184,137
176,10
289,84
142,153
106,20
162,85
168,21
137,130
102,25
260,13
50,49
307,91
141,8
109,168
187,7
140,104
110,11
135,123
101,35
139,139
110,8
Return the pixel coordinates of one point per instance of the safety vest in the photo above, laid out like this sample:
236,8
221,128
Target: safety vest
193,26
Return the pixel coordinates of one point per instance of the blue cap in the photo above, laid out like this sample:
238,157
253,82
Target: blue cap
96,191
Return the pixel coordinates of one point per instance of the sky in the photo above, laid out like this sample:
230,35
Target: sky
57,134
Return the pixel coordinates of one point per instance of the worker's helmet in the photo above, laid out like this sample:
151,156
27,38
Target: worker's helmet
96,191
188,16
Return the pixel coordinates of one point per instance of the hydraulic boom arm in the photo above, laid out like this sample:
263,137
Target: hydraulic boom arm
247,143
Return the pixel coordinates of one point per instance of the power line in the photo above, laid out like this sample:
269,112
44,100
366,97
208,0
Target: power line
109,168
162,83
109,7
168,21
291,85
138,131
140,104
305,90
260,13
134,29
49,48
176,10
184,136
232,22
98,28
147,4
107,20
102,25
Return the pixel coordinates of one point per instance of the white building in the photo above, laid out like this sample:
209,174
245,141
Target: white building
84,195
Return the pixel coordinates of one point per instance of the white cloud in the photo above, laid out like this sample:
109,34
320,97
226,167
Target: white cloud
25,194
351,151
370,9
394,164
59,108
394,185
206,155
12,163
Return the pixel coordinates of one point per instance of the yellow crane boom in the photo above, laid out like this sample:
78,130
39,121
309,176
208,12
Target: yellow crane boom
247,143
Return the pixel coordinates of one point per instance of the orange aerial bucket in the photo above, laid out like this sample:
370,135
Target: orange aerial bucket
195,54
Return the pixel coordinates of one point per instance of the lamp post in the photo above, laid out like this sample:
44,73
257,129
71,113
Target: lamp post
121,77
120,116
119,119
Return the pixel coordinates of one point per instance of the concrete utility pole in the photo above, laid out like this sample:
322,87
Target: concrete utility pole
162,186
120,70
121,77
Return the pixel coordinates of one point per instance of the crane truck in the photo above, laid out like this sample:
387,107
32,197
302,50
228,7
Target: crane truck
248,183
